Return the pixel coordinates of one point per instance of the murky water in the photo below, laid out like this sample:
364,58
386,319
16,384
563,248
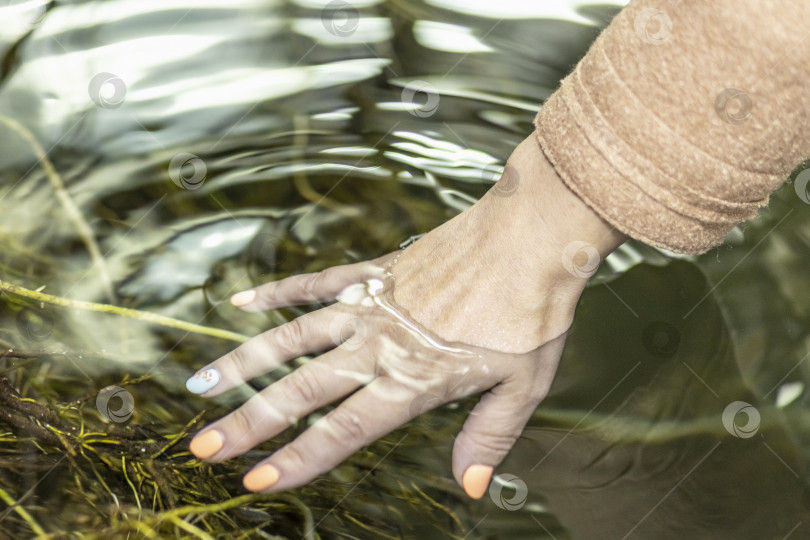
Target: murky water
209,147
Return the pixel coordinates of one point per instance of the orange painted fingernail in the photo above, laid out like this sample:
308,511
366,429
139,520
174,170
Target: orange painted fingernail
206,445
243,298
260,478
476,480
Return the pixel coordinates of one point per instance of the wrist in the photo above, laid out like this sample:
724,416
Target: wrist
502,275
558,235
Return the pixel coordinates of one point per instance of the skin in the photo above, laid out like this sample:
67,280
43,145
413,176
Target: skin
495,287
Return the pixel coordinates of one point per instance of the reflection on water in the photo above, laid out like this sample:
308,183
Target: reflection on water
651,456
312,136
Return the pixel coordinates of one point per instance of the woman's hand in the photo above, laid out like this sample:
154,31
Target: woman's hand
480,304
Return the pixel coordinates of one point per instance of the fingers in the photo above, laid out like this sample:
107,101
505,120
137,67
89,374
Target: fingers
307,288
312,332
387,403
489,433
266,414
374,411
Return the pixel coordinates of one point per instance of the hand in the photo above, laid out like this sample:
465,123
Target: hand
480,304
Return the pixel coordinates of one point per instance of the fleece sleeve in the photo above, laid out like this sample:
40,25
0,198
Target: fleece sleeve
684,116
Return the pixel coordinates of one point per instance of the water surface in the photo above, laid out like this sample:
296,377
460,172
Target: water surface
310,137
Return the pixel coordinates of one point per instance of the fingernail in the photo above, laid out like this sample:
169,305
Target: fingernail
243,298
202,381
476,480
260,478
206,445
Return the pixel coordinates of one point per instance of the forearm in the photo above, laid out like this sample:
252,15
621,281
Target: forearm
646,131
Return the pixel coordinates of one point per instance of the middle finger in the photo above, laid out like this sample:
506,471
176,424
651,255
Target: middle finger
271,411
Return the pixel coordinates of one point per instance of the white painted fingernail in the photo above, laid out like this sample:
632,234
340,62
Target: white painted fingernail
353,294
203,381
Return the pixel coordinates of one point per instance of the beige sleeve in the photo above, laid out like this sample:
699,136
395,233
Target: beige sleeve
684,115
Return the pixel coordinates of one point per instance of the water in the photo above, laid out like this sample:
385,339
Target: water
305,141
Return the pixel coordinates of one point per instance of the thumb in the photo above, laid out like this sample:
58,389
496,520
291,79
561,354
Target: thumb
489,433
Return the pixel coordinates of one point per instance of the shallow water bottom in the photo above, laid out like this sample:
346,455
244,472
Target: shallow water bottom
312,155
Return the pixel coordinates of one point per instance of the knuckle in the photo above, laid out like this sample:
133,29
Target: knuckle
294,457
345,428
311,284
497,445
242,422
239,361
304,387
289,337
445,391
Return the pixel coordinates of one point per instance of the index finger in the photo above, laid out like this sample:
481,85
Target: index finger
313,288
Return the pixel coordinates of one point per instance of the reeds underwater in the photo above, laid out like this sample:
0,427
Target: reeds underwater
69,472
94,442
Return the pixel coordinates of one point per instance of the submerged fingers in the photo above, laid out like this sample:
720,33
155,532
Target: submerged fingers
375,410
367,415
387,403
395,376
271,411
313,332
385,400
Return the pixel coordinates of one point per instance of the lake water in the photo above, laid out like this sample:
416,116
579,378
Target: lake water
201,148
